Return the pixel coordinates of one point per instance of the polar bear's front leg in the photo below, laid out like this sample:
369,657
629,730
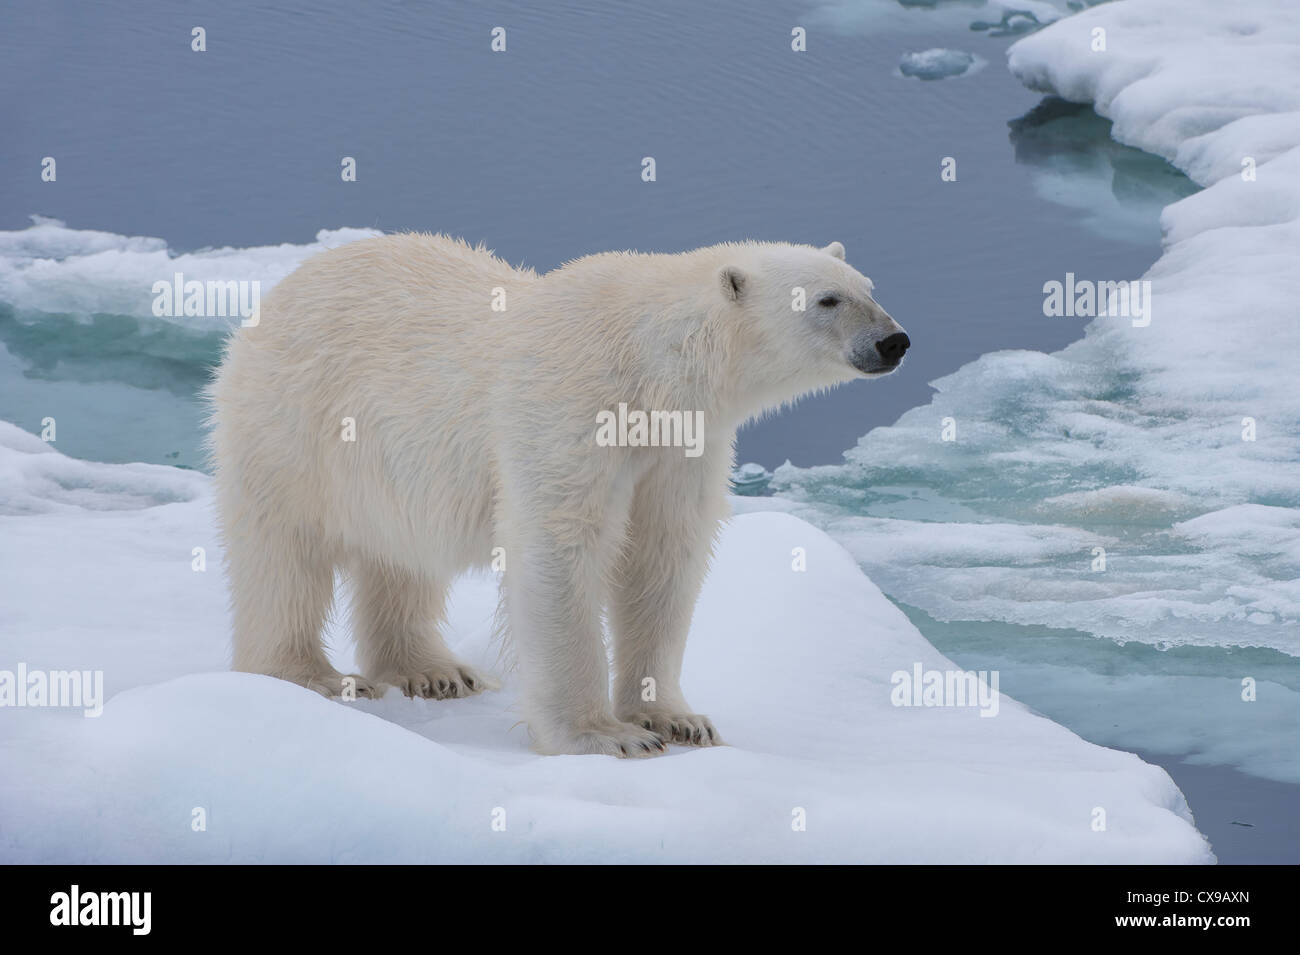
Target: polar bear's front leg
674,519
553,590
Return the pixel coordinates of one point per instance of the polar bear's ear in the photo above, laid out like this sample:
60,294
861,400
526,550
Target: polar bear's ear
836,249
732,281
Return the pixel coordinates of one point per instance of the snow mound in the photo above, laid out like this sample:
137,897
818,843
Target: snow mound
36,479
795,667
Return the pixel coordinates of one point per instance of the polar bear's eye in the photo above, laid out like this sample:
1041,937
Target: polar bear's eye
828,301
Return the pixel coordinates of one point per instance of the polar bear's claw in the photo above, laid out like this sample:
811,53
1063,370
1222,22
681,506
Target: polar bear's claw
688,729
450,682
621,739
643,748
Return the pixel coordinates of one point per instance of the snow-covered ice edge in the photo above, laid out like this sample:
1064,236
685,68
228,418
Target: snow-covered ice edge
1171,445
97,571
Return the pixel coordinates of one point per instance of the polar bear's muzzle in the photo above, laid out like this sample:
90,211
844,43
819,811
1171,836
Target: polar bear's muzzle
882,356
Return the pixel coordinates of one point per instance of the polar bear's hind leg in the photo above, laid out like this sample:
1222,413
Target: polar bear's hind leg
397,616
282,586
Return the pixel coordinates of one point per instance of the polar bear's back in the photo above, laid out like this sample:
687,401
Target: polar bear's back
393,335
415,286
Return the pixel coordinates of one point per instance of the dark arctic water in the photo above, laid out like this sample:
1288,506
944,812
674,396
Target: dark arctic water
537,151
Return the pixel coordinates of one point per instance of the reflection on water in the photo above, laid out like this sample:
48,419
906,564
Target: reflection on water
1077,164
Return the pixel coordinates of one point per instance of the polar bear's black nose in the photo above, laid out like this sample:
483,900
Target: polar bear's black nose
894,347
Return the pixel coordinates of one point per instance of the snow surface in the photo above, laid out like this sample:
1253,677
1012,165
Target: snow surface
794,667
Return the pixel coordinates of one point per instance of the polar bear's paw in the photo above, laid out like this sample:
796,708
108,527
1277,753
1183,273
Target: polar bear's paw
623,740
688,729
349,686
448,681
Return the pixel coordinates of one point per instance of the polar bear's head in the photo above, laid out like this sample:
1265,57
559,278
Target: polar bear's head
807,316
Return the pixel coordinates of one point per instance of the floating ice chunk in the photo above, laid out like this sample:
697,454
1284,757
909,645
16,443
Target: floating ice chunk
750,480
927,16
1013,23
1120,504
938,64
1258,531
48,238
50,268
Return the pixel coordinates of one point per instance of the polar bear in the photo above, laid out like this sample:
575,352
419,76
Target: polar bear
408,407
